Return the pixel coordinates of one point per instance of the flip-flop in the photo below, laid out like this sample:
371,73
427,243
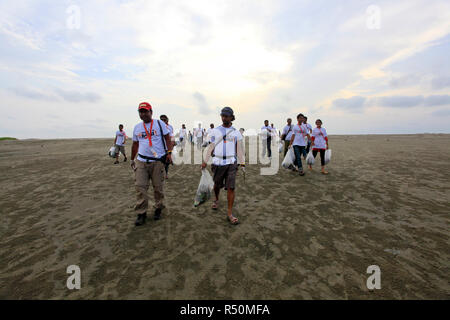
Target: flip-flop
233,220
215,205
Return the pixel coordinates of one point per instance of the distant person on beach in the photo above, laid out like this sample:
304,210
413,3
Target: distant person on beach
309,131
152,145
198,134
287,134
226,142
267,138
182,136
165,119
208,133
319,144
299,143
119,143
190,137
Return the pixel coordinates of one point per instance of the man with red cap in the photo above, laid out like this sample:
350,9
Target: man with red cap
153,147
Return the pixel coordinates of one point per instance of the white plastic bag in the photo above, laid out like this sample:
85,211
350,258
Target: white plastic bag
280,147
204,189
112,152
174,154
289,159
310,158
327,156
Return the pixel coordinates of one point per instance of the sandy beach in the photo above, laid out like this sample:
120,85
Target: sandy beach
386,202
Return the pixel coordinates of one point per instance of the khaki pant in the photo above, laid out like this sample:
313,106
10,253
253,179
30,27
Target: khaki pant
144,173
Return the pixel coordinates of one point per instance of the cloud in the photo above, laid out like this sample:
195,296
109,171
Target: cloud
440,82
359,103
33,94
355,103
437,100
203,107
441,113
397,101
75,96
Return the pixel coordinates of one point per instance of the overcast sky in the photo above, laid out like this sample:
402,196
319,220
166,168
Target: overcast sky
79,68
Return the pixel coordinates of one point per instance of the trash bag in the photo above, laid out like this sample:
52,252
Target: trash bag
280,147
174,154
289,159
204,189
327,156
112,152
310,158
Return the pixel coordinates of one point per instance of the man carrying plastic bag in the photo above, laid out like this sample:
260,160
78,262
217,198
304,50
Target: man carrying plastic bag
226,142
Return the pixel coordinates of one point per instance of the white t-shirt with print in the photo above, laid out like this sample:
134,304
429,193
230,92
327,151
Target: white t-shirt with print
120,135
182,133
300,132
198,132
285,131
319,138
265,132
140,135
170,128
225,147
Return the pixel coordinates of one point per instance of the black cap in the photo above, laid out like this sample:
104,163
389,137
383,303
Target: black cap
227,111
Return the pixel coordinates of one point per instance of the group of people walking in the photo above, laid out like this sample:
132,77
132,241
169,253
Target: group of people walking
154,140
301,137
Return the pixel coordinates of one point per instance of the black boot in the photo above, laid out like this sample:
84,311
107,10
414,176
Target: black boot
140,219
157,215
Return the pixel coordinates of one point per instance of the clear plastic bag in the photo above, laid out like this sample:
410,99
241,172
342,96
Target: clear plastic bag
280,147
310,158
327,156
289,159
204,189
112,152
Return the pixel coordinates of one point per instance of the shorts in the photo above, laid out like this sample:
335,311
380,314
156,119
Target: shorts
225,176
120,149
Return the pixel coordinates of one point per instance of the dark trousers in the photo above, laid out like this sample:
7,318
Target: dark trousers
308,146
299,150
166,167
269,150
286,146
322,155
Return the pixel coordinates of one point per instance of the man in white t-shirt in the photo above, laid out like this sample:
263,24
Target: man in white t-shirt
198,134
119,143
310,133
182,136
152,145
266,134
226,143
287,134
299,143
169,127
208,133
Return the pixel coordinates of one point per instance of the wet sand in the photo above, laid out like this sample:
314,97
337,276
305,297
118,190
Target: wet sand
386,202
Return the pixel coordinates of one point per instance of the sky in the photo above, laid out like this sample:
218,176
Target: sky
77,69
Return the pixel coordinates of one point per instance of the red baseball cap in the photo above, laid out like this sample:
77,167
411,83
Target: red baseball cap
145,105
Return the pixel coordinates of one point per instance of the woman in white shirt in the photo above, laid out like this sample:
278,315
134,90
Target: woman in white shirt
319,143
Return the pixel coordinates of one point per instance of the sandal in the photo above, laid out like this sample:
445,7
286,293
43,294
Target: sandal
215,204
233,220
324,172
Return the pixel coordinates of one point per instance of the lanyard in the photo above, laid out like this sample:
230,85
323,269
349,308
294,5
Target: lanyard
149,137
301,130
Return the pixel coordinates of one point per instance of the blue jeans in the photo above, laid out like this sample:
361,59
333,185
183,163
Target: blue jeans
299,150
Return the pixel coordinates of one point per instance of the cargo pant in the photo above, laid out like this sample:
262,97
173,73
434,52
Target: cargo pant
145,172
